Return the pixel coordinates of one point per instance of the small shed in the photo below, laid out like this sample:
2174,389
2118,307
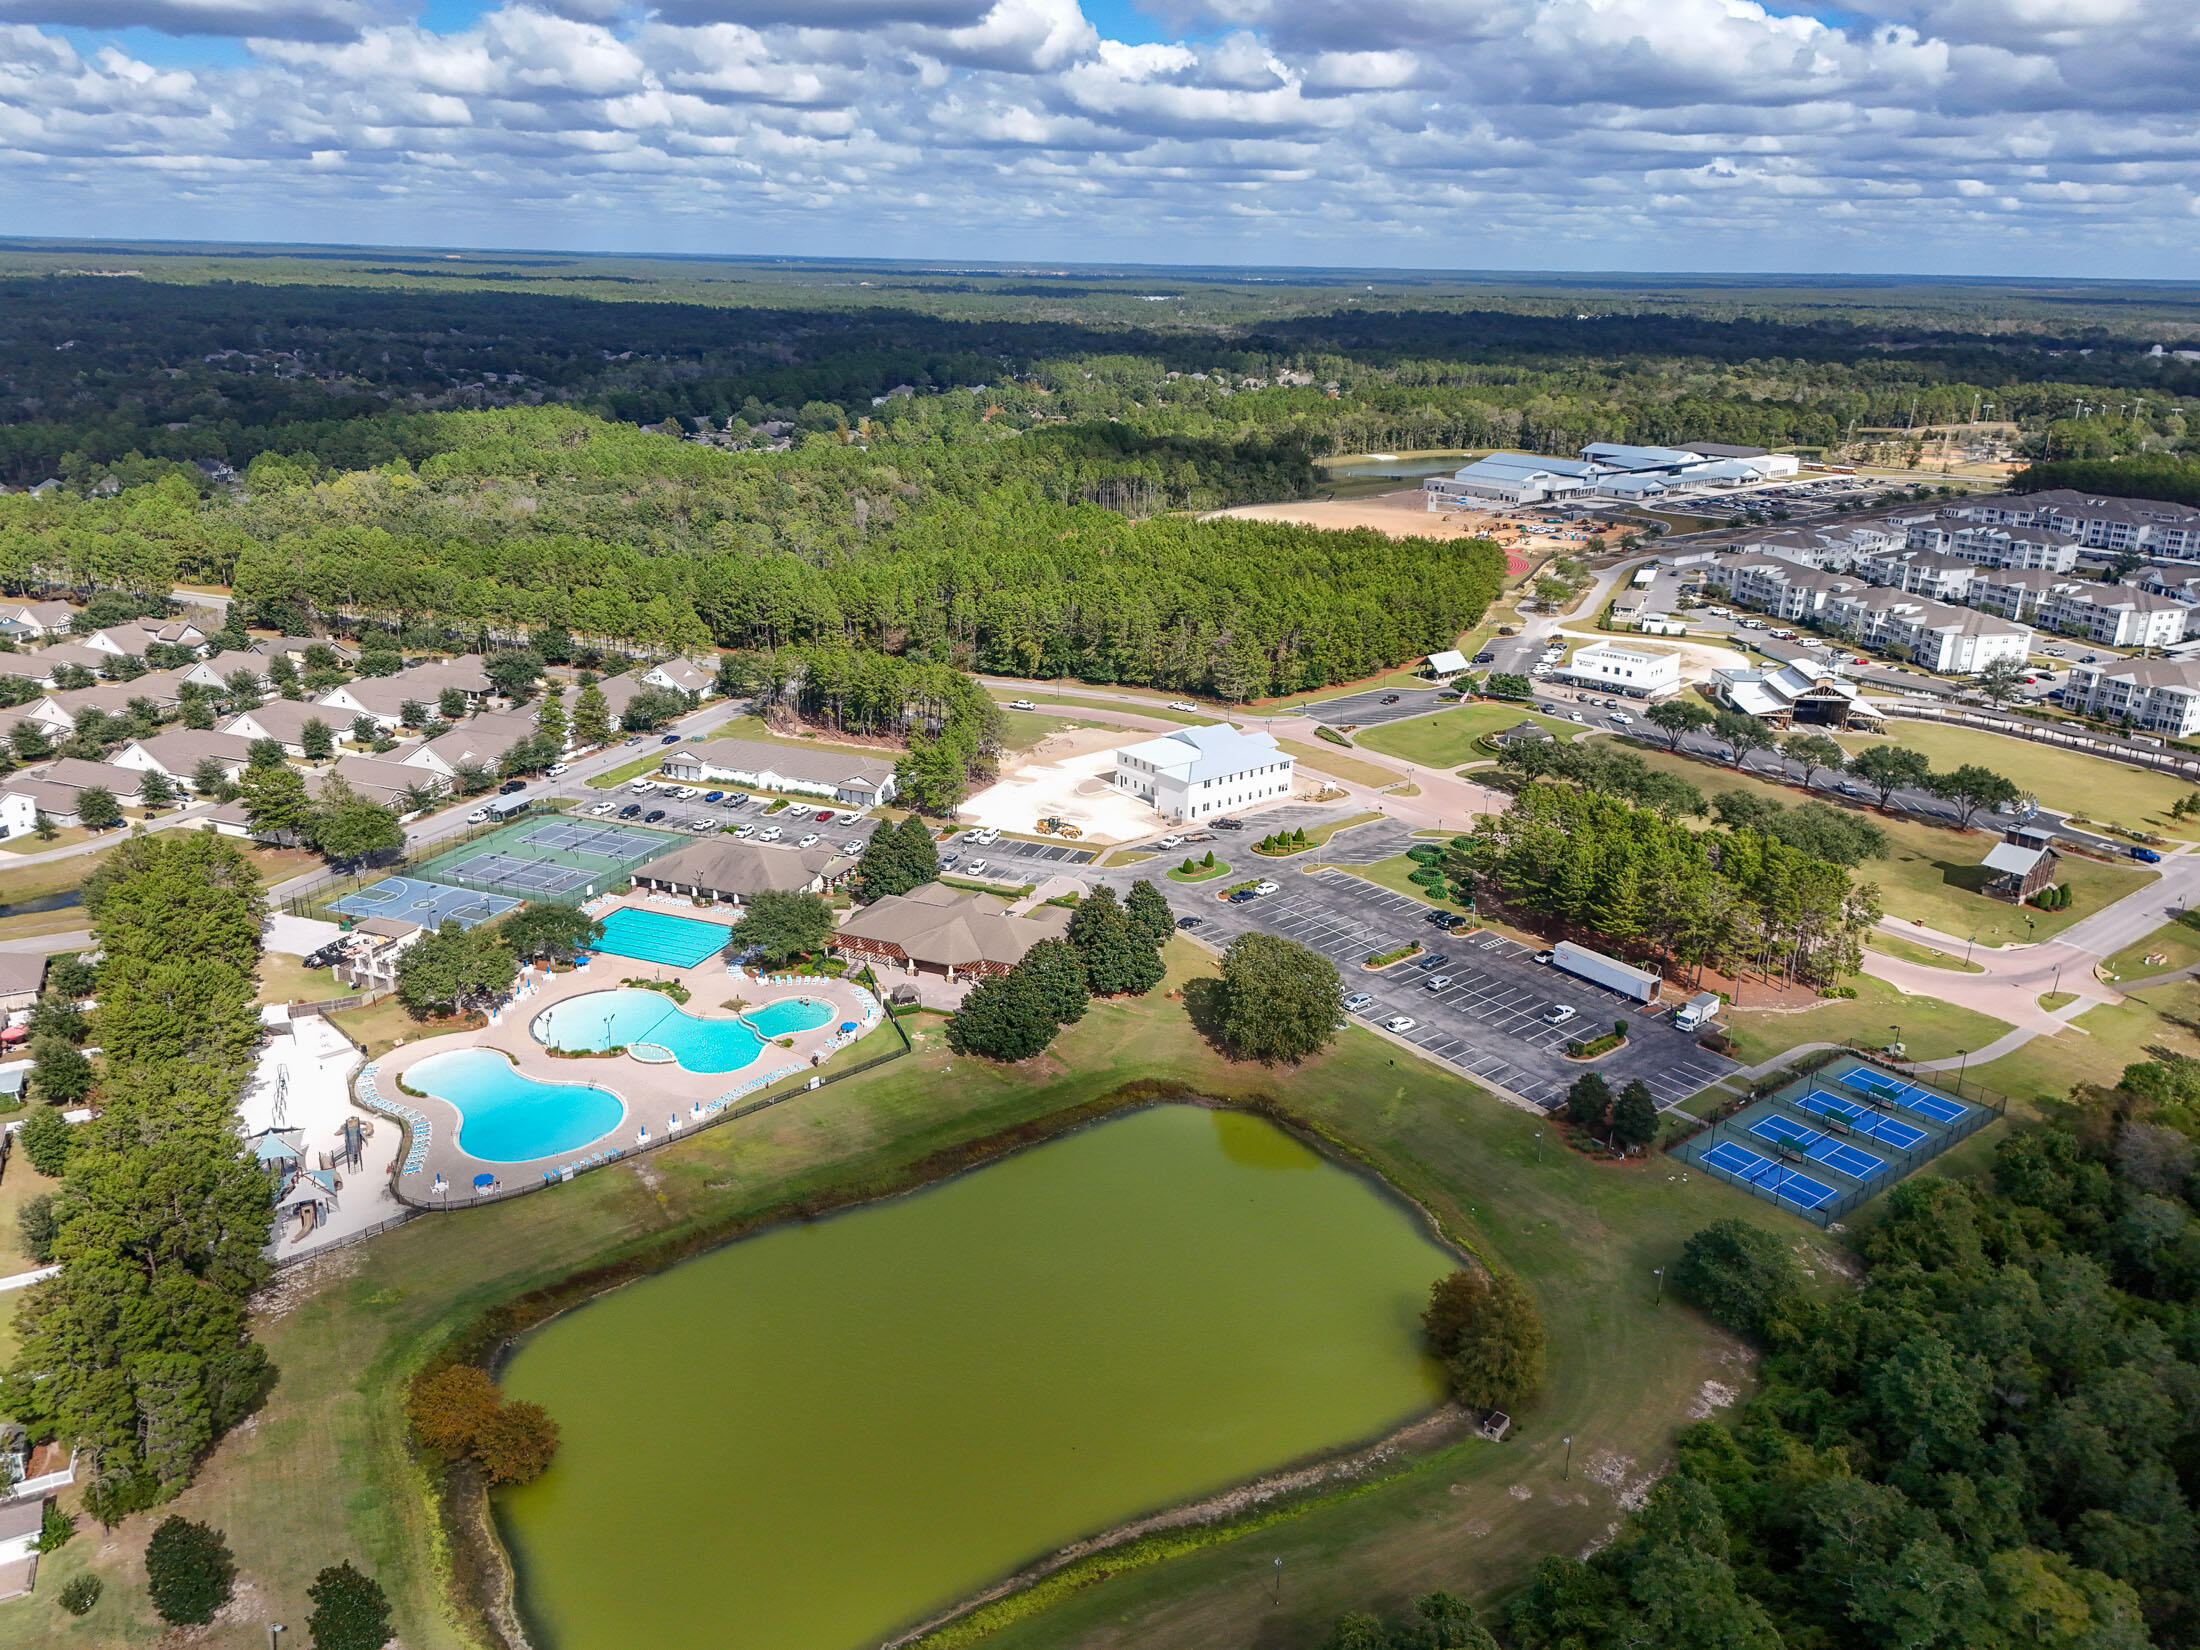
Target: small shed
1447,664
2020,865
1528,732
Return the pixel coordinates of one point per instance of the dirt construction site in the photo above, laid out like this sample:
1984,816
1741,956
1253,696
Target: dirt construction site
1405,514
1066,777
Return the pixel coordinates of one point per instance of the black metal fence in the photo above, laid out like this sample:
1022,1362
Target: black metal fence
1984,1106
313,899
798,1083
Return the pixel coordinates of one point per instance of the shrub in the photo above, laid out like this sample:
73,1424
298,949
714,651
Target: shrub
515,1446
1742,1276
188,1572
55,1529
350,1611
1187,868
80,1593
450,1408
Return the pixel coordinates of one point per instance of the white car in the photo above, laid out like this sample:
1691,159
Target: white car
809,841
1576,716
701,826
477,816
1021,704
557,768
1171,841
798,813
975,867
1622,719
642,787
769,833
1400,1023
603,807
1182,704
1265,887
1558,1014
688,793
1436,982
744,830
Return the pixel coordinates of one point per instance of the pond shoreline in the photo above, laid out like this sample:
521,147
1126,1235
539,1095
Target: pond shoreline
482,1578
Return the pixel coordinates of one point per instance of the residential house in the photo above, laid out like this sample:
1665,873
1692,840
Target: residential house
18,816
135,637
40,618
384,697
57,802
1204,772
2159,695
940,930
294,649
381,780
681,676
177,752
848,777
22,978
482,741
127,785
725,869
21,1519
284,721
41,666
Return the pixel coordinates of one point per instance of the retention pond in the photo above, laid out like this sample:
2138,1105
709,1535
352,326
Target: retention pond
812,1437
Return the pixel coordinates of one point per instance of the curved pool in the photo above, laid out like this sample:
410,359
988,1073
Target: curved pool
507,1117
789,1015
615,1019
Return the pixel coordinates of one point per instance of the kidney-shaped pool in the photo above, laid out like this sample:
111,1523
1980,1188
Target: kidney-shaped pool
617,1019
505,1116
808,1438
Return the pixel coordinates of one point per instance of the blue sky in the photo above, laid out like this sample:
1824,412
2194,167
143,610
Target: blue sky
1959,136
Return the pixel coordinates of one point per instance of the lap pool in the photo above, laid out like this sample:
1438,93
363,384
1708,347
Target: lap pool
507,1117
660,937
612,1019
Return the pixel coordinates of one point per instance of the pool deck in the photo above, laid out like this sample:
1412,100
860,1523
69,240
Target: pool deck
660,1100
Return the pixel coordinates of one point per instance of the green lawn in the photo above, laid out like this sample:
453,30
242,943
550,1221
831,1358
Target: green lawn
323,1473
2099,1044
1022,729
615,777
1391,873
1339,763
1915,951
1931,1029
2173,945
1932,873
1199,872
2065,780
1450,737
18,1186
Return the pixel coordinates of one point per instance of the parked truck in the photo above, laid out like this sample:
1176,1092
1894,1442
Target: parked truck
1700,1010
1629,981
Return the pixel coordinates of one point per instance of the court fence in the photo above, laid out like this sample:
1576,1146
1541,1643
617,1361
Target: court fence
1983,1106
796,1084
314,898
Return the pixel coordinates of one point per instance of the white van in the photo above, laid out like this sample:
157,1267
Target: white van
1699,1010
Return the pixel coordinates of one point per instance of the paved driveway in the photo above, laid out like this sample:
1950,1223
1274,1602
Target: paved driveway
1366,710
1487,1023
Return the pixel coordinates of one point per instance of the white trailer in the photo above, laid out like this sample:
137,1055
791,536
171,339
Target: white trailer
1626,979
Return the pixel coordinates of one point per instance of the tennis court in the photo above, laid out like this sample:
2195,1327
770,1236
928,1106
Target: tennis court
1877,1085
1768,1179
1823,1143
608,842
660,937
430,904
561,859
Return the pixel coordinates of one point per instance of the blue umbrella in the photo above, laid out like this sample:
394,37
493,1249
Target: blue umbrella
483,1181
847,1025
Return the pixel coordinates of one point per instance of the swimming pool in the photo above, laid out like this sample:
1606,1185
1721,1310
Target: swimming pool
505,1117
789,1015
660,937
613,1019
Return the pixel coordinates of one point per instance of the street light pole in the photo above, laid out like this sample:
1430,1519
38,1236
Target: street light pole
1569,1441
1539,1145
1658,1272
1279,1580
273,1628
1963,1062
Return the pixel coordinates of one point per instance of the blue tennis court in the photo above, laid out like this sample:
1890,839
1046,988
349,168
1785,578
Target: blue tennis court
1888,1131
1767,1178
1852,1161
430,904
660,937
1924,1102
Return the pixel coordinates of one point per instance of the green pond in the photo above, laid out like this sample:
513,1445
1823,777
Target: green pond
815,1436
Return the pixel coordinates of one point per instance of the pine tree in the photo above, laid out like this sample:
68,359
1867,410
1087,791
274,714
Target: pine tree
591,717
550,720
1588,1100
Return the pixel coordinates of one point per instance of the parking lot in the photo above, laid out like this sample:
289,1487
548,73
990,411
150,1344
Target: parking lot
840,830
1367,710
1488,1022
1050,853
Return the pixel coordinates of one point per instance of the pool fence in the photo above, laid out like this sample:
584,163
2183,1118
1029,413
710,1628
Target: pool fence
745,1099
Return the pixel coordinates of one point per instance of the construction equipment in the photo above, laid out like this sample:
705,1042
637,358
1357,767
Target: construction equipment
1054,825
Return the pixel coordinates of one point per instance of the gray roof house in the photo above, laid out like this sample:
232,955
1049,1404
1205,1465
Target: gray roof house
847,776
177,752
721,868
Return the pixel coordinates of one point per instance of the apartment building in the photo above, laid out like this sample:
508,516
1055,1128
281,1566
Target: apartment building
2151,527
1779,589
1986,545
1953,641
1945,578
2116,615
2160,695
2014,594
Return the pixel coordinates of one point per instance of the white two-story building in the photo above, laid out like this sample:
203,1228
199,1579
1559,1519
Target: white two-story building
1203,773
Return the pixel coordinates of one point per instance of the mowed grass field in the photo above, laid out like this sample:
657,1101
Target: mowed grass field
2100,1043
2066,780
1338,763
1450,737
322,1473
1932,873
2171,946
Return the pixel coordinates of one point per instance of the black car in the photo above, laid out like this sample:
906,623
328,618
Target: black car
1435,959
1485,658
1229,824
511,785
653,816
669,739
1390,698
630,810
1242,895
1189,922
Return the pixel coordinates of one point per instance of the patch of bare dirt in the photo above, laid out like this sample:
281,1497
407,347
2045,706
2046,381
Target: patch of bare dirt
294,1285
